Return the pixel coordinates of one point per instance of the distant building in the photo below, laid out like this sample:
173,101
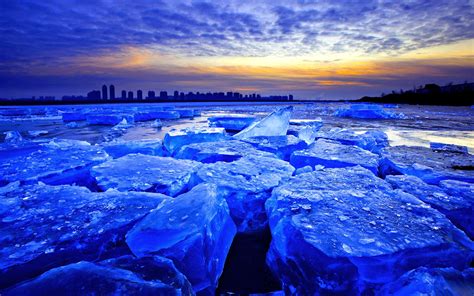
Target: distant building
290,97
104,92
139,95
176,95
163,95
124,95
94,95
130,95
112,92
151,94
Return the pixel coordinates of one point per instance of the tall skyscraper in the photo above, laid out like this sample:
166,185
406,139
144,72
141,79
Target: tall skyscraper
112,92
124,94
104,92
130,95
139,95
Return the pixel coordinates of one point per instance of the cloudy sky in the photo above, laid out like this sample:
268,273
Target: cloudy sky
313,49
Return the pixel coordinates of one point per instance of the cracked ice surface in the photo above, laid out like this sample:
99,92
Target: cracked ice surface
138,172
47,226
89,278
355,238
432,281
227,151
54,162
175,139
246,184
281,146
275,124
426,164
334,155
194,230
458,207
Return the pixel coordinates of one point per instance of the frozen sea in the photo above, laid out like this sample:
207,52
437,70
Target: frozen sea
237,198
423,124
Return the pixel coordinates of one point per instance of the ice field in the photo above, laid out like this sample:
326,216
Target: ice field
221,199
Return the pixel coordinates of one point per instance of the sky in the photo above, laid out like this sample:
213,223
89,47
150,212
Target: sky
312,49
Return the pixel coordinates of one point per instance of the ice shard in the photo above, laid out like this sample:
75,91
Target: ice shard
372,140
48,226
332,154
194,230
138,172
246,184
275,124
351,233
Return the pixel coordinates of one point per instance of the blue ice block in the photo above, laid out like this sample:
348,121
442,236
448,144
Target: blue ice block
194,230
332,154
86,278
73,116
175,139
119,148
458,207
367,111
54,162
48,226
275,124
442,147
185,113
227,151
281,146
349,233
372,140
432,281
246,184
138,172
231,123
426,164
107,119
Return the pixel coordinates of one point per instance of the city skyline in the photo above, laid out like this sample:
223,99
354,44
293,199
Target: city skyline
312,49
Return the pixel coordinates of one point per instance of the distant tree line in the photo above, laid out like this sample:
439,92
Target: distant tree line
430,94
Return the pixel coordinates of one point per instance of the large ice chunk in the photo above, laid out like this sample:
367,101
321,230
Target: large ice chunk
334,155
432,281
367,111
246,184
227,151
175,139
107,119
138,172
86,278
442,147
231,123
119,148
372,140
351,233
185,113
48,226
275,124
281,146
54,162
194,230
74,116
430,166
13,137
458,207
